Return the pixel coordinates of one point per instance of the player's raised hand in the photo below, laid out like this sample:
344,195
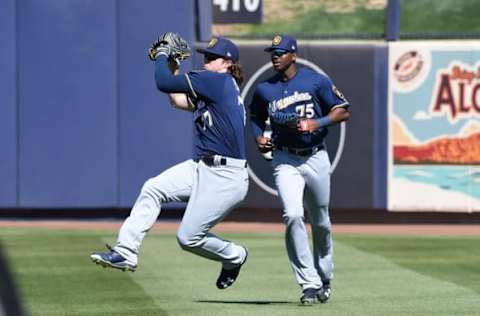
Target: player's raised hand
171,45
264,144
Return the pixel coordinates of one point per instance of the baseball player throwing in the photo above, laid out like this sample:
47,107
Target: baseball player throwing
215,180
300,104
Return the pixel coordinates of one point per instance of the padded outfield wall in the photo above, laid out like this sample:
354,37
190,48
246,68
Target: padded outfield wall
89,134
82,125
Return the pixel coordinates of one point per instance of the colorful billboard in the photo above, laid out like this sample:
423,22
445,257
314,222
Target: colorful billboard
434,126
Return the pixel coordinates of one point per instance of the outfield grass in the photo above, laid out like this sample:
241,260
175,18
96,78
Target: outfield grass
439,16
308,18
375,275
316,21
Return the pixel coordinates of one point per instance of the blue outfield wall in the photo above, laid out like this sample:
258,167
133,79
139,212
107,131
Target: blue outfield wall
91,124
8,120
83,126
152,135
67,103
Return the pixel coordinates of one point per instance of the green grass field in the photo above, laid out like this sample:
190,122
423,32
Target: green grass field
307,18
375,275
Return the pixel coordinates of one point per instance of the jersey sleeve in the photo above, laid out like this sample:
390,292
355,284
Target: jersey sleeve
330,95
204,84
165,80
258,112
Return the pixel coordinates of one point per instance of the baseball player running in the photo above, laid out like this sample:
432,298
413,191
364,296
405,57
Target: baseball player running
300,104
215,180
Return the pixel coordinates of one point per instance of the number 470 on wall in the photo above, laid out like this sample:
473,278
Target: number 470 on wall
235,5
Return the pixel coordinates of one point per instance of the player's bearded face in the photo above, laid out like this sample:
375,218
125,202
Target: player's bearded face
282,59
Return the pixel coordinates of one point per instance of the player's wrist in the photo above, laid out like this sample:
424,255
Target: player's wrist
323,121
161,53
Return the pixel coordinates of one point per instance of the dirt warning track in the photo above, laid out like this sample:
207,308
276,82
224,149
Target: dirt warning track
371,229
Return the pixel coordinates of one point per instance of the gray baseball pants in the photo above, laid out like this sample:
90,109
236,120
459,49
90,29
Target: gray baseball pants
306,179
211,191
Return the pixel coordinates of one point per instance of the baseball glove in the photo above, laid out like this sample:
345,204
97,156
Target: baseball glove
172,45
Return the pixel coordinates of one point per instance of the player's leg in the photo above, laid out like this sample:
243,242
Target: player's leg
290,185
216,191
322,237
317,196
174,184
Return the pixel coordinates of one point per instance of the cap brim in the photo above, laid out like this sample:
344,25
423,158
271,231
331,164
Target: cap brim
271,49
206,51
203,51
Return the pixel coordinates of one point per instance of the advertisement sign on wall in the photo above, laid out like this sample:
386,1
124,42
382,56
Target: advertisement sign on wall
434,126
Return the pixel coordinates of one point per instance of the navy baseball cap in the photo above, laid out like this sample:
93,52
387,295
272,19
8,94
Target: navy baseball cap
222,47
284,42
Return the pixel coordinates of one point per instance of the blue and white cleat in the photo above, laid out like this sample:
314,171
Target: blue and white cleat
112,259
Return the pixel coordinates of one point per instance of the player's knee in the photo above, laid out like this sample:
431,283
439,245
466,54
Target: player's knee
150,189
187,240
323,225
292,218
183,241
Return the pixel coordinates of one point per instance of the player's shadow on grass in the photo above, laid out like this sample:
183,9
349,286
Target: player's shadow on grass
244,302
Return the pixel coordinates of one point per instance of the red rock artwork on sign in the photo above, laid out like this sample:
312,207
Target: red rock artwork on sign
448,150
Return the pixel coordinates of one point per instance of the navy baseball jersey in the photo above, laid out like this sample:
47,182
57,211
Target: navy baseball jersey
219,115
308,94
